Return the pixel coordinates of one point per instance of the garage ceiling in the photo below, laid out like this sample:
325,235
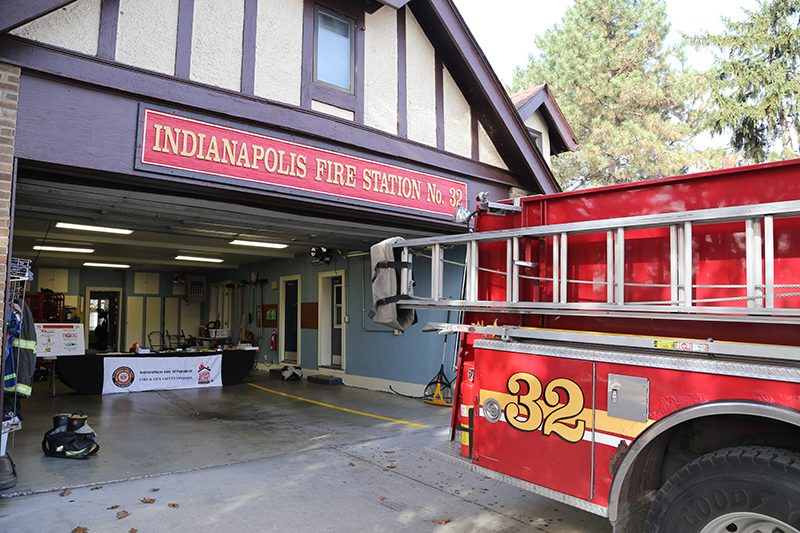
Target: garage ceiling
165,226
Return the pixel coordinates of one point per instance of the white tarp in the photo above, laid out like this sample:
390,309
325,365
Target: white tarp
385,287
136,374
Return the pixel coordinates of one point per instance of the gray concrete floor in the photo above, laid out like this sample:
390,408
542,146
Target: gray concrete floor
259,456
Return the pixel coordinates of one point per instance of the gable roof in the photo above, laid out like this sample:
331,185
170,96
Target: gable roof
446,29
539,98
469,68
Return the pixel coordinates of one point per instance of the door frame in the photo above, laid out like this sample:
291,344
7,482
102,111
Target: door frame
282,316
325,319
122,311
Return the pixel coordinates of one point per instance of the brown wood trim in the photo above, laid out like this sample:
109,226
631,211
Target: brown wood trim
402,75
17,13
109,19
439,100
310,91
308,54
249,45
361,22
183,53
138,85
476,143
309,315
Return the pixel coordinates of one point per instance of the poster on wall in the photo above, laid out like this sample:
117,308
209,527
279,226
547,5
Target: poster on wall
55,340
138,374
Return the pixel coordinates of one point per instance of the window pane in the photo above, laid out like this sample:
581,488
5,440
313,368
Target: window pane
333,51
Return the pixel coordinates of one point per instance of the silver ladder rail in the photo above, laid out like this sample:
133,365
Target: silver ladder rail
759,287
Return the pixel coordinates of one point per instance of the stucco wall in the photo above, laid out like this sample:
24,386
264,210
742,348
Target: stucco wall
380,71
217,43
457,119
421,87
147,34
536,122
74,27
488,153
279,52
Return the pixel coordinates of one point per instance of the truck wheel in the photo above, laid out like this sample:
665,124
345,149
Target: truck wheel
746,489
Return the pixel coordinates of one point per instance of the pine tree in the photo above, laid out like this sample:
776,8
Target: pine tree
755,80
625,93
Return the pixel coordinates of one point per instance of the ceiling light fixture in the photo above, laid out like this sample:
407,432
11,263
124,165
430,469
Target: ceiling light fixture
259,244
101,229
64,249
201,259
105,265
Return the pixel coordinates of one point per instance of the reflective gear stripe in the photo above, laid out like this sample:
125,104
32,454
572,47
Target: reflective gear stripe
22,389
20,343
10,376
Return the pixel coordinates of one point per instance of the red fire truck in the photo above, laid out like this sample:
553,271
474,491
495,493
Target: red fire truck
633,351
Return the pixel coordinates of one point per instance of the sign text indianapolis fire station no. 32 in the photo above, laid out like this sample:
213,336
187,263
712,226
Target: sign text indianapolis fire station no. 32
170,143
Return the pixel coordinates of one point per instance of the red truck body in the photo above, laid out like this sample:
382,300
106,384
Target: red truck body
621,336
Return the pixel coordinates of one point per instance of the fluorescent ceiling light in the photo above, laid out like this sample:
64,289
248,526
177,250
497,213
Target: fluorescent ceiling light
64,249
83,227
259,244
203,259
105,265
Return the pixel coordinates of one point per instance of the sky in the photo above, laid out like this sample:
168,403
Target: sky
505,31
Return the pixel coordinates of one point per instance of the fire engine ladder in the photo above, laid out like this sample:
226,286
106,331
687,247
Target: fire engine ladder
760,290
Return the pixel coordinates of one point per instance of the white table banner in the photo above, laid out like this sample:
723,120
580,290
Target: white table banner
136,374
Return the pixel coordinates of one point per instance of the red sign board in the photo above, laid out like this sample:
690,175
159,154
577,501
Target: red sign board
176,143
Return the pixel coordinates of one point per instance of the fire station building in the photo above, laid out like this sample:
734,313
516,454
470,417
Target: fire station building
248,153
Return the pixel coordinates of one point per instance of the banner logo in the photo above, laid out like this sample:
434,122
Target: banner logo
204,376
123,377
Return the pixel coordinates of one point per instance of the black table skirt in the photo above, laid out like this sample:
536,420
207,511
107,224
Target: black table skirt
84,374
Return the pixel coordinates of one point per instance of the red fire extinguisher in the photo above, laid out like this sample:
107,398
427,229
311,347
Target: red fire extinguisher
273,342
466,401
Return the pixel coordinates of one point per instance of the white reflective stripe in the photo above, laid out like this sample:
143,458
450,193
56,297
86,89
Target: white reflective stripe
600,437
30,345
24,389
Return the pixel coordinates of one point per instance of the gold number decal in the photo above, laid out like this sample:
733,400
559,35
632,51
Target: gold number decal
526,403
574,406
456,196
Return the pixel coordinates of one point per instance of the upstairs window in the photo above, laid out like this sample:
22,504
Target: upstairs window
537,138
334,50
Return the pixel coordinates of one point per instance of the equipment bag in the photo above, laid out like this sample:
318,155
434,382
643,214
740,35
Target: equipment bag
71,437
59,442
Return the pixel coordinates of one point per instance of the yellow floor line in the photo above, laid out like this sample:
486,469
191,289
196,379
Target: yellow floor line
335,407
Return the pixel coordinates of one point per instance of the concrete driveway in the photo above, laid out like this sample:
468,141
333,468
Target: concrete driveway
264,455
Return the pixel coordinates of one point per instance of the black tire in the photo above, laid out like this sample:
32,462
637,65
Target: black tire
740,489
778,440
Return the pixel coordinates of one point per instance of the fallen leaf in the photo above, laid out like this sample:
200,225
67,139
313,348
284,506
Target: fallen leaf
122,514
147,500
112,507
389,451
154,490
446,520
80,530
351,464
383,498
96,488
391,466
131,530
65,492
174,505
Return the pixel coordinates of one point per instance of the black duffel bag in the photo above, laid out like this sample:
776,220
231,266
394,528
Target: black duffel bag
62,441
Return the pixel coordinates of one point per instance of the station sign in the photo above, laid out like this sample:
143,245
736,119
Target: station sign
176,144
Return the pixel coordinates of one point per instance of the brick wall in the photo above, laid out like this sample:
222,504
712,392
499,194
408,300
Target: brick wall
9,98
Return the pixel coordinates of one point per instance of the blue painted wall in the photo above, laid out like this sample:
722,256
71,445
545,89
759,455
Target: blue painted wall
372,350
